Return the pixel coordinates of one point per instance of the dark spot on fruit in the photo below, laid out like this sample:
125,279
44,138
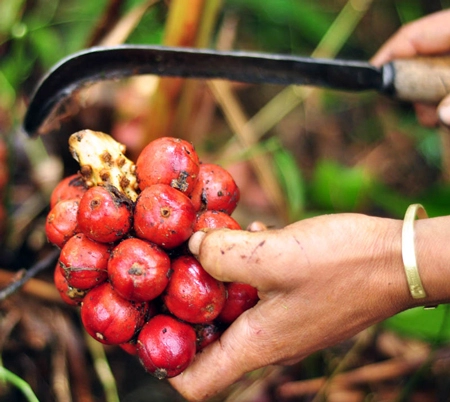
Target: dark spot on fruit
135,270
94,204
160,373
220,193
164,330
181,182
165,212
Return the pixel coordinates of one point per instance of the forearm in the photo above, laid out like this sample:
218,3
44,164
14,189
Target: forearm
432,242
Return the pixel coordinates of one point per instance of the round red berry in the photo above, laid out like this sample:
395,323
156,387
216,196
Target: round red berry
170,161
104,214
207,334
215,220
72,186
61,223
163,216
138,270
166,346
110,318
241,297
215,190
192,294
84,262
69,295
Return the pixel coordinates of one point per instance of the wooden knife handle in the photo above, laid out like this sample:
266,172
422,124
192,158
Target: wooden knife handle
423,79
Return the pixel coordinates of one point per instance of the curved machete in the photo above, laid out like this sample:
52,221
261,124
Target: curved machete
106,63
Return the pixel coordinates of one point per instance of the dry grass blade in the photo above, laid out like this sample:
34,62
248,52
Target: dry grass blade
370,373
34,287
103,369
288,99
261,164
60,371
108,20
238,122
126,25
181,29
41,265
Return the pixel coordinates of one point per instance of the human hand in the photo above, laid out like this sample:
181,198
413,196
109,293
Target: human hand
427,36
320,281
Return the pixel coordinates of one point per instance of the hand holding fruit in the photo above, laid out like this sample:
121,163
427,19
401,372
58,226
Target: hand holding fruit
320,281
427,36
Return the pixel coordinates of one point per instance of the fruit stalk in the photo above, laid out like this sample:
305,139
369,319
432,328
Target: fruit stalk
102,161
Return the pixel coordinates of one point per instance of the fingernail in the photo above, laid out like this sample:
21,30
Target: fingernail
444,113
195,241
256,226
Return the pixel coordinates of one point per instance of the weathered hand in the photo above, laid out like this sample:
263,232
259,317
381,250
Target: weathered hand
427,36
320,281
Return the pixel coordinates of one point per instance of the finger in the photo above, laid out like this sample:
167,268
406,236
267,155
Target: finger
444,111
214,369
230,255
256,226
242,256
398,46
245,346
426,36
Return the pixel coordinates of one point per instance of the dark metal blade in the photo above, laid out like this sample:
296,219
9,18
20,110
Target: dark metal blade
104,63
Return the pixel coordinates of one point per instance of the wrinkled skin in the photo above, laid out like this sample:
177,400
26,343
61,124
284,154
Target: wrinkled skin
320,281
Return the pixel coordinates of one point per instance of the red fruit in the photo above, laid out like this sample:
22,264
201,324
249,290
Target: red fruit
83,262
129,347
192,294
105,214
138,270
110,318
61,223
166,346
70,187
215,220
170,161
240,298
216,189
69,295
206,334
163,216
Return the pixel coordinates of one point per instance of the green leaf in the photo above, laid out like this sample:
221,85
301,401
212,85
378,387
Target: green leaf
428,325
47,44
10,15
339,188
291,180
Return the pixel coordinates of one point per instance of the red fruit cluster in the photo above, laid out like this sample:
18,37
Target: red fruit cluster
127,265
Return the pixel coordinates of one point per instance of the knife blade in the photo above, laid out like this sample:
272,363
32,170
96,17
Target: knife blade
108,63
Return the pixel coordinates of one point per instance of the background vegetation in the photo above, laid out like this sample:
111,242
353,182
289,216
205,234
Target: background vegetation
295,152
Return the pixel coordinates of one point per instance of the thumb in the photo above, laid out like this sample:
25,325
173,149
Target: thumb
245,346
236,255
444,111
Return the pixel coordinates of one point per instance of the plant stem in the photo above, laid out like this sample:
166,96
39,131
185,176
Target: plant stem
8,376
330,44
103,369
